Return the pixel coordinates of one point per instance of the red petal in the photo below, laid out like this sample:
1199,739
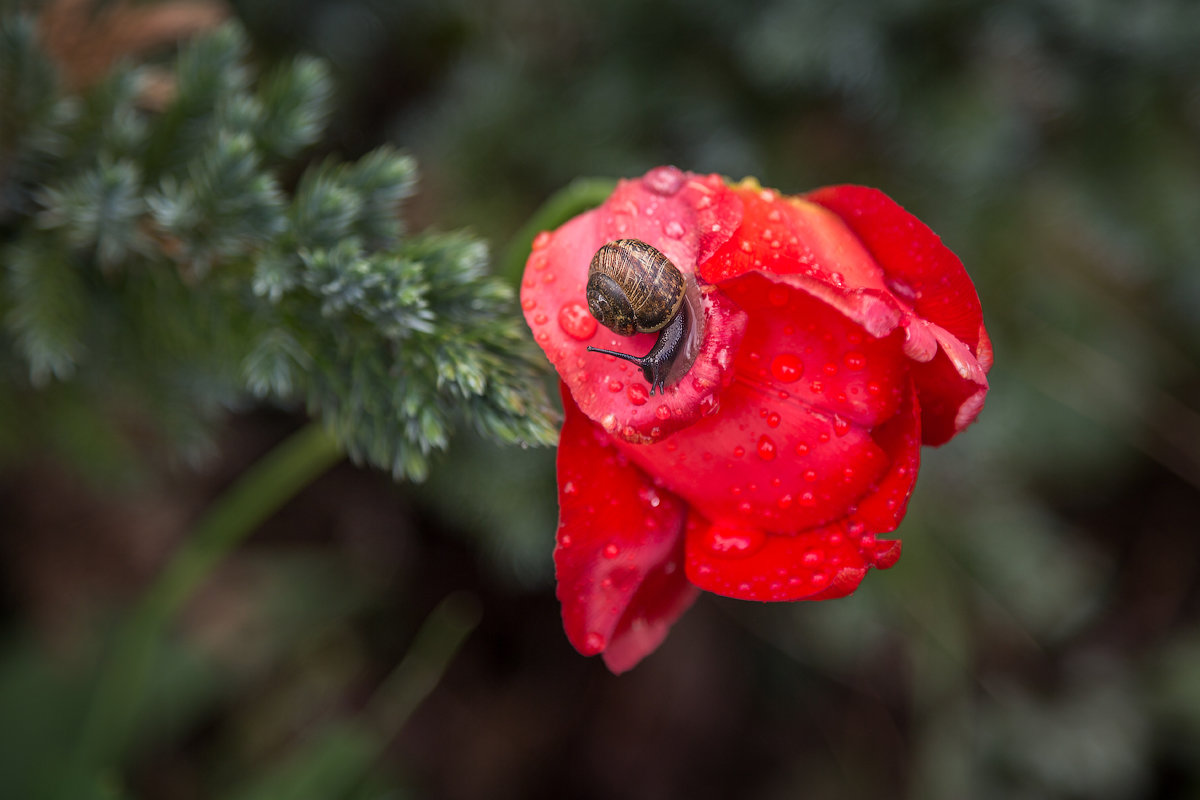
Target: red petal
747,564
900,437
793,444
620,548
686,217
924,273
918,266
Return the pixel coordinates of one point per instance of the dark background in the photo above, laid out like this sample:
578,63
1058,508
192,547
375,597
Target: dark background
1038,639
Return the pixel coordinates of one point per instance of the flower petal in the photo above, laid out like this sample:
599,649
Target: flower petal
748,564
925,274
793,443
918,266
687,217
619,553
882,509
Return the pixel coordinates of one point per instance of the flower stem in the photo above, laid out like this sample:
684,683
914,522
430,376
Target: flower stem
124,673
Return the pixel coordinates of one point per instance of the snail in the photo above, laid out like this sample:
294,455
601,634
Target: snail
633,288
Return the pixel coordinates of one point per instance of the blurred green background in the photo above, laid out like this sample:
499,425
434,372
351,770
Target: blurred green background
1039,637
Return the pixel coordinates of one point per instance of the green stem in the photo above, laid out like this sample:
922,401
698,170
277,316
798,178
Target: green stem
336,759
422,667
125,672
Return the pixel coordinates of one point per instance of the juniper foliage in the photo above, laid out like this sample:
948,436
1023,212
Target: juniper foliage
157,258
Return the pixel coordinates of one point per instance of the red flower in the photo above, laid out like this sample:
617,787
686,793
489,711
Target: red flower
839,334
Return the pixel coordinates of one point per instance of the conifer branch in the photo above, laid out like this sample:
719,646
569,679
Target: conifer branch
158,252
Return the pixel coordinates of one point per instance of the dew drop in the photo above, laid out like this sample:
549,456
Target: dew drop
739,451
611,550
539,318
548,277
569,487
830,368
840,426
664,181
729,542
615,386
812,557
565,540
541,240
663,412
637,394
576,321
766,449
787,367
673,229
594,643
773,420
854,360
528,303
802,449
785,502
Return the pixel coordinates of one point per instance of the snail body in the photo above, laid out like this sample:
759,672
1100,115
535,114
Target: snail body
633,288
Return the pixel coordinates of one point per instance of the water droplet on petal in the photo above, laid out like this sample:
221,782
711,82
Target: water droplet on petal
854,360
673,229
785,502
576,321
615,386
729,542
840,426
541,240
564,540
539,318
739,451
664,181
787,367
766,449
594,643
773,420
663,412
528,303
611,550
812,558
637,394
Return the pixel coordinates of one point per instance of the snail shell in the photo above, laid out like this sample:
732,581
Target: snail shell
633,288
